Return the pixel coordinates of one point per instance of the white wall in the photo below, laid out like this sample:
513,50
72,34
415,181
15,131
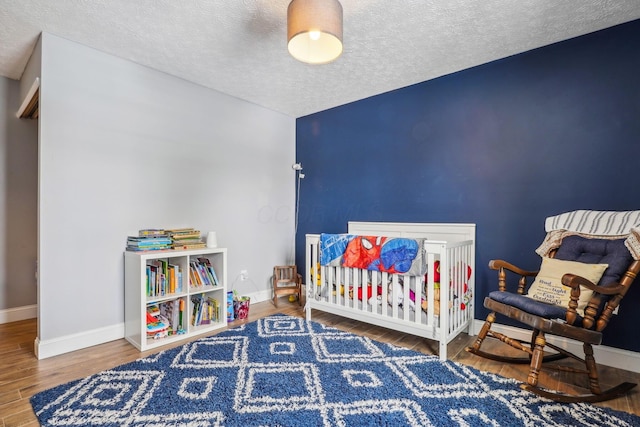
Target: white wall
124,147
18,206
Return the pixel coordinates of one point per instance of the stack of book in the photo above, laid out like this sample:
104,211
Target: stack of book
202,273
163,278
185,238
149,240
173,311
206,310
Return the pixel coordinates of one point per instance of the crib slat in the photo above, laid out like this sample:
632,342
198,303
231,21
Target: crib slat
385,300
431,273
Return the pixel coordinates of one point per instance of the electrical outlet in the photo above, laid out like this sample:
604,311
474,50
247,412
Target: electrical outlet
244,275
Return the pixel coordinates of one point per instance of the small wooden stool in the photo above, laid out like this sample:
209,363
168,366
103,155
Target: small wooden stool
286,281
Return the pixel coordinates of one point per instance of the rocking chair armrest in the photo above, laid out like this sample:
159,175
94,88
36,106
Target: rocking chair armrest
497,264
501,266
575,281
591,310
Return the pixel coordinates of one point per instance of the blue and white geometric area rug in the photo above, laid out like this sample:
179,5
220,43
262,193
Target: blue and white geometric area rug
285,371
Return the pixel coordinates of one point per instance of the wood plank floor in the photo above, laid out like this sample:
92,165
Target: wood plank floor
22,375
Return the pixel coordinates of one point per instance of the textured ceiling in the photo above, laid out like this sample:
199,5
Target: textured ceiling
238,47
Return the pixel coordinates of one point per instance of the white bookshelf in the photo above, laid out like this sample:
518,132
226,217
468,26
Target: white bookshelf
137,297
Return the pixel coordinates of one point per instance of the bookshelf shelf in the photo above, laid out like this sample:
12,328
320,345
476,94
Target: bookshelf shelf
180,291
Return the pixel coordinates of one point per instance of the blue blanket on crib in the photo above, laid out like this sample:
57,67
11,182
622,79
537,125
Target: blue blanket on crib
377,253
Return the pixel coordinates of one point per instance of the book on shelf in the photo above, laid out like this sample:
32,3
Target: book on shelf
141,248
148,282
202,273
150,239
151,243
148,249
197,280
183,236
159,278
189,241
175,284
162,265
180,230
190,246
153,239
152,272
204,278
170,310
209,268
152,232
214,309
163,278
192,278
206,310
148,244
197,301
183,233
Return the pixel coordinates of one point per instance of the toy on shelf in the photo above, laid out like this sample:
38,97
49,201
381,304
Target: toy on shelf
156,327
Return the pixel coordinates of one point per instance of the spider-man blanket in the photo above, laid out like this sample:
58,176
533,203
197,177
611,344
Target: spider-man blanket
390,254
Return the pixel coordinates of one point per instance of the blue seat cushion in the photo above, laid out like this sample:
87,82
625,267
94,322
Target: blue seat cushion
581,249
538,308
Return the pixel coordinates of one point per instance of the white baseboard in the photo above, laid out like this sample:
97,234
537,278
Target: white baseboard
66,344
260,296
18,313
61,345
608,356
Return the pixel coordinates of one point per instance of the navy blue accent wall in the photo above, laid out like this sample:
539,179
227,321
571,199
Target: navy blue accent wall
502,145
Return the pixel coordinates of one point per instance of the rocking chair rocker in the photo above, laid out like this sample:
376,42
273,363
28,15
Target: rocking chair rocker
600,244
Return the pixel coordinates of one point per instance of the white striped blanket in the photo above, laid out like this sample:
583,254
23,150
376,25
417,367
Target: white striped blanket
600,224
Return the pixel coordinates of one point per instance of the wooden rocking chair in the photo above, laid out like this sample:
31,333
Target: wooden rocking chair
583,316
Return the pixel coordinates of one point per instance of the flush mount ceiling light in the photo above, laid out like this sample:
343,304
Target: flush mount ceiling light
314,30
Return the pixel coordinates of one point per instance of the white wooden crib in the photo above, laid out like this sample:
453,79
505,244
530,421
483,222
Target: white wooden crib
337,289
